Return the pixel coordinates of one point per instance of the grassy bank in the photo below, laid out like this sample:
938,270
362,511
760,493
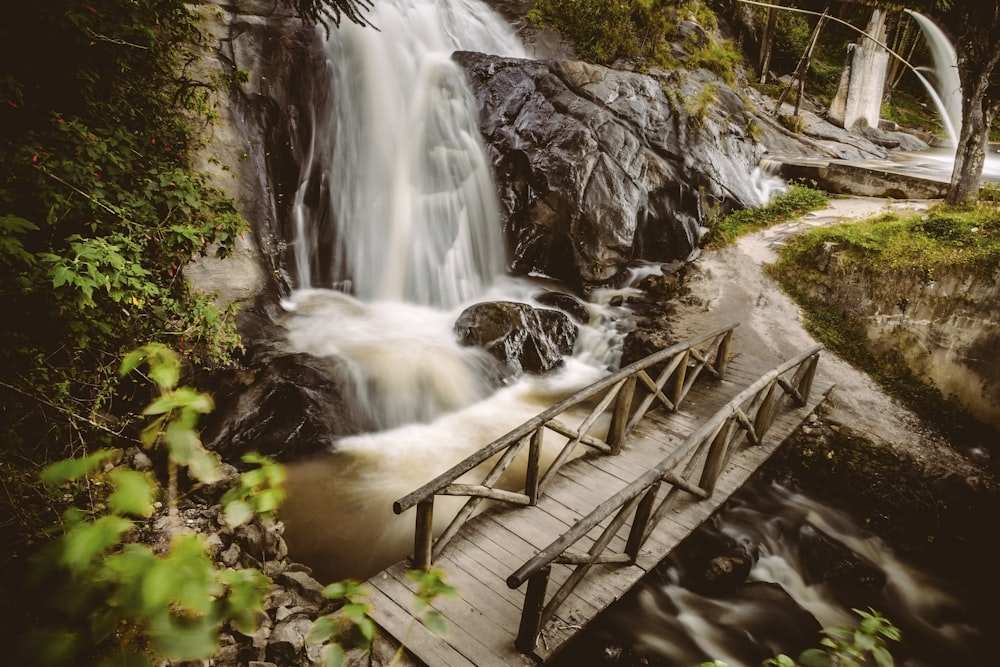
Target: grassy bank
888,248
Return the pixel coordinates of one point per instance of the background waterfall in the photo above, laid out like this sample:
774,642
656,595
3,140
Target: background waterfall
947,89
411,196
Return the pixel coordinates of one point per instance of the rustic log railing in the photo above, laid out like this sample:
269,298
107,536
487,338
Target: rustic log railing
682,363
747,416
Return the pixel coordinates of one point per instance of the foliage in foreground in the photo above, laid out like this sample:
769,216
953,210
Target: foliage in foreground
848,646
100,210
351,626
109,599
784,206
103,597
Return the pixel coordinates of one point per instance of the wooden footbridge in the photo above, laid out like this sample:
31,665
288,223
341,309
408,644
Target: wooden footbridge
664,442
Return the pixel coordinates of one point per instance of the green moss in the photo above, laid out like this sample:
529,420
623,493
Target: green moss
795,201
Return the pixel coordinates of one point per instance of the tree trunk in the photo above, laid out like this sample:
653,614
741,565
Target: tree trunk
975,26
766,45
978,110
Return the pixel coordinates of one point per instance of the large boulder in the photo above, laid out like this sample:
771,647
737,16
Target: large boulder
524,338
597,167
282,404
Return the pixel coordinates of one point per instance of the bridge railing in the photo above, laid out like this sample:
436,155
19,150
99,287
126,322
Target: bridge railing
702,456
675,369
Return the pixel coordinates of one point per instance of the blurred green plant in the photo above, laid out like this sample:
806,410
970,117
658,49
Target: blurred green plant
848,646
351,625
112,600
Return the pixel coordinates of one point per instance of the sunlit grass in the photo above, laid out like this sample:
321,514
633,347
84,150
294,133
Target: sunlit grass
795,201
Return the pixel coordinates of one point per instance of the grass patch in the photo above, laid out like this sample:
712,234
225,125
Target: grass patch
966,238
795,201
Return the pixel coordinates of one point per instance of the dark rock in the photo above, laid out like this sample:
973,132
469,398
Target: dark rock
567,303
524,338
279,404
852,577
597,168
308,588
712,563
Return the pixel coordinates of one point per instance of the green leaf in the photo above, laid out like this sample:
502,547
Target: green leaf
323,629
88,540
134,493
333,655
71,469
237,513
182,442
814,657
62,275
12,224
184,638
247,588
204,465
435,623
882,657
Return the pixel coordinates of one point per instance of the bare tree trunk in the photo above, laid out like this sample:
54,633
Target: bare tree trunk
767,45
801,69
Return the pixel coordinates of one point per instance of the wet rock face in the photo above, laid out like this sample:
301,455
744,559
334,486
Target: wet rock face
596,167
524,338
280,404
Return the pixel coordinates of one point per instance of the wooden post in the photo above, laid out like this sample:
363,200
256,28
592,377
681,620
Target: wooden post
765,412
531,614
801,69
533,474
722,354
423,537
637,535
718,454
766,45
680,376
619,418
805,384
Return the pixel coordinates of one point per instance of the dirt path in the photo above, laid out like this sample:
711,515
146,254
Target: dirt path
729,285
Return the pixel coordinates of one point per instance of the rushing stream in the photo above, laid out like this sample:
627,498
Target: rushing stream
811,566
417,238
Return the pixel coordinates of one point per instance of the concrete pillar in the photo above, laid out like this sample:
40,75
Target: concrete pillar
858,101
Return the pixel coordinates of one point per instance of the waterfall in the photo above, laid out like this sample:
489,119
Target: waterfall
411,196
947,89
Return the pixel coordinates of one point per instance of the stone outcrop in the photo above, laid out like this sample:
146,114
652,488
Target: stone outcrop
525,339
597,167
281,404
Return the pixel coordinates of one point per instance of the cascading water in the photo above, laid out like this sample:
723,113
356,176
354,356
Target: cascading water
412,199
947,89
409,191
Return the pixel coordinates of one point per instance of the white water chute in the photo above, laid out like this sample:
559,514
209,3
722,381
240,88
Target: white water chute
414,204
947,88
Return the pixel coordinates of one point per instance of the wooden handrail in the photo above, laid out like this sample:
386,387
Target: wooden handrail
616,391
750,412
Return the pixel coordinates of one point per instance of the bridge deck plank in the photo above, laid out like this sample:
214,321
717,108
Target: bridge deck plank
482,624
